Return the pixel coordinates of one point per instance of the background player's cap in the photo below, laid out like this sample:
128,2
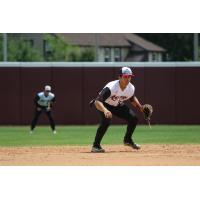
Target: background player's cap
125,71
47,88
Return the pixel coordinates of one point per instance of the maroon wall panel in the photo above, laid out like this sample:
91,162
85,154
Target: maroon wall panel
33,81
94,81
188,95
173,92
68,87
160,93
138,82
10,96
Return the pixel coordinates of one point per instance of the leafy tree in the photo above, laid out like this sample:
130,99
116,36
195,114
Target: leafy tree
1,47
179,46
59,50
20,50
88,54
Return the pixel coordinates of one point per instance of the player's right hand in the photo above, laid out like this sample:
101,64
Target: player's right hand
108,114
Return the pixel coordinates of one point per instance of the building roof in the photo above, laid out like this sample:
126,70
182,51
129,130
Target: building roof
145,44
109,40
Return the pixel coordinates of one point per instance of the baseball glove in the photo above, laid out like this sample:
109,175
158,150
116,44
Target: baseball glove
147,110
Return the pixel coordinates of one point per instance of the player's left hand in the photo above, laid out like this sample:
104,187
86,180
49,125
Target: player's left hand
147,110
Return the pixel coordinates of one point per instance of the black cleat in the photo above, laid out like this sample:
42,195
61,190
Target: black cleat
132,144
97,149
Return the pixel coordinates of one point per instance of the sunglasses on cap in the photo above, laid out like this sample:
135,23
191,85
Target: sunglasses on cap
126,75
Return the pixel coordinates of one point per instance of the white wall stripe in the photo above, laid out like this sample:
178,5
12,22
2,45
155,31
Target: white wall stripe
99,64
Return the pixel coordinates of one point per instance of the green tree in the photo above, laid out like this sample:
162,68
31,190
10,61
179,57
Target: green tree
59,50
20,50
88,54
1,47
179,46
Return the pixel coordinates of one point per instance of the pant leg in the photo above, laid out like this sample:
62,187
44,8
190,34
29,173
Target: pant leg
35,118
51,120
124,112
103,126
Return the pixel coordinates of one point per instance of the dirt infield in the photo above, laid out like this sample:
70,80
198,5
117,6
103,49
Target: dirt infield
149,155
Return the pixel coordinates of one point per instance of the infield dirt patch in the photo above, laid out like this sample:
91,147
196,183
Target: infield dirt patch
116,155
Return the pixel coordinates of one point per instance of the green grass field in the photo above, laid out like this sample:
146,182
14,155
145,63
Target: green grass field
84,135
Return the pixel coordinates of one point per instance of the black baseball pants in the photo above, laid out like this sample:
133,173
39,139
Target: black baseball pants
36,117
123,112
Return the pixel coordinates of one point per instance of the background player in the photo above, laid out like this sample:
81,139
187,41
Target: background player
43,102
110,102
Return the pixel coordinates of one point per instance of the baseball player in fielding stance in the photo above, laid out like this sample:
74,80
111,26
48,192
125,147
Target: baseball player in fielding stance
43,104
110,101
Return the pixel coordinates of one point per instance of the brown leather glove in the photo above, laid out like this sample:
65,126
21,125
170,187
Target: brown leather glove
147,110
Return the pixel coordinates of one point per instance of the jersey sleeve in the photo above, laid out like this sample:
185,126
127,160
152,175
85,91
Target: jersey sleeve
54,99
104,94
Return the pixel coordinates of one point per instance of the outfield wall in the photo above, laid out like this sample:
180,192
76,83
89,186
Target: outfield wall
171,88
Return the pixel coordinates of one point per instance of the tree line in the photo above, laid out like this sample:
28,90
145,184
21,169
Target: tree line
179,47
19,49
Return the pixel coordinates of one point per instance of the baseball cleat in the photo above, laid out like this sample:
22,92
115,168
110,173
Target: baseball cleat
97,149
132,144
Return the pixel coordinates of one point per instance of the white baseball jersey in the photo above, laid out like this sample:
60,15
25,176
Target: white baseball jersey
118,96
43,100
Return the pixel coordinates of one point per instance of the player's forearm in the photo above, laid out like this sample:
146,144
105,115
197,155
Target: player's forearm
99,105
137,104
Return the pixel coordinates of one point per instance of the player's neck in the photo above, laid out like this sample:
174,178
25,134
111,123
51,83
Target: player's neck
122,86
46,95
